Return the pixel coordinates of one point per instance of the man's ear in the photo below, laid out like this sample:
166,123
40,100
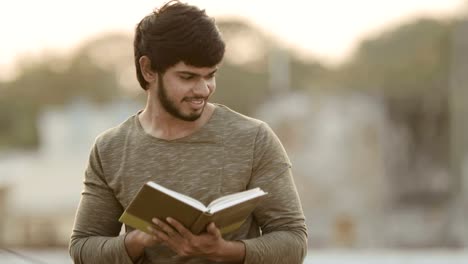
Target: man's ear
145,67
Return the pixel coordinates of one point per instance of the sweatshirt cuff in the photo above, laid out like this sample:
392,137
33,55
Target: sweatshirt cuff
123,250
251,252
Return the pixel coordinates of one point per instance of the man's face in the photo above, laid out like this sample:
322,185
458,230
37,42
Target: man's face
184,90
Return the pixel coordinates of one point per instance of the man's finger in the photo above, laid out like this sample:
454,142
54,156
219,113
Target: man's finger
184,232
157,235
165,228
212,229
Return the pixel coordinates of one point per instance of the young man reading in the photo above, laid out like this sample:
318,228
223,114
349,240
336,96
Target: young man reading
187,144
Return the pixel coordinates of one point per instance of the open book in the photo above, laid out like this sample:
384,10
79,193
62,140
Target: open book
153,200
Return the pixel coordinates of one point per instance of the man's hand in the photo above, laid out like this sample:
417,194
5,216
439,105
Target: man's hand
210,244
136,241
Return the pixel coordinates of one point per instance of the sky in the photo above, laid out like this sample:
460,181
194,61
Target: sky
325,29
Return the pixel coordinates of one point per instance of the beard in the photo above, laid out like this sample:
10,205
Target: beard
171,107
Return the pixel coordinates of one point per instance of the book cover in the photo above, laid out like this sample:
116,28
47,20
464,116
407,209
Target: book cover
153,200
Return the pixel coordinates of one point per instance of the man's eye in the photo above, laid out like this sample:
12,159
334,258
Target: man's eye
186,77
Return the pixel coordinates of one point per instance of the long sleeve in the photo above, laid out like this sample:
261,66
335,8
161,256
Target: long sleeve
95,237
280,215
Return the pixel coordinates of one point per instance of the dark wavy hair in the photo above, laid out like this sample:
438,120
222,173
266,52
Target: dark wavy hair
177,32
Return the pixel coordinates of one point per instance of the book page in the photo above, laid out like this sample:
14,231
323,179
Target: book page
181,197
233,199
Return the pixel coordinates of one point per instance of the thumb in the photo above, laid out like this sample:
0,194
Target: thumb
213,230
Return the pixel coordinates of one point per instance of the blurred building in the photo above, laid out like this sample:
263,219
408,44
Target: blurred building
39,191
350,163
335,145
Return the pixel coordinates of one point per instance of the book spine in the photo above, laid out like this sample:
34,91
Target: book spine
134,222
200,224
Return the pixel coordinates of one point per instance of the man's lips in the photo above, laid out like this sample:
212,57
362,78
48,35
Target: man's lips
196,102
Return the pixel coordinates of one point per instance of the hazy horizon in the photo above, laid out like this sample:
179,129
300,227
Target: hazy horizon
326,30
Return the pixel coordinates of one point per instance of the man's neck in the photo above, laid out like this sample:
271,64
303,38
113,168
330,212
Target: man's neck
160,124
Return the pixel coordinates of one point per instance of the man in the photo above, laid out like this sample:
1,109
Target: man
194,147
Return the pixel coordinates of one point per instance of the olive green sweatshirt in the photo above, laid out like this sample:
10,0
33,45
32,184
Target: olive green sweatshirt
230,153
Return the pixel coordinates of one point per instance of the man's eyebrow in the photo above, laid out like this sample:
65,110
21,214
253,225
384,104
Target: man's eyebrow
196,74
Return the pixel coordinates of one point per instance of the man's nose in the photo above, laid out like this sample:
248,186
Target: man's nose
203,88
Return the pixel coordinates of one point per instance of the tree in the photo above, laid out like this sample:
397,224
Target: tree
409,68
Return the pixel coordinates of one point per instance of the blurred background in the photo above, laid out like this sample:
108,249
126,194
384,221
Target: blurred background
368,97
